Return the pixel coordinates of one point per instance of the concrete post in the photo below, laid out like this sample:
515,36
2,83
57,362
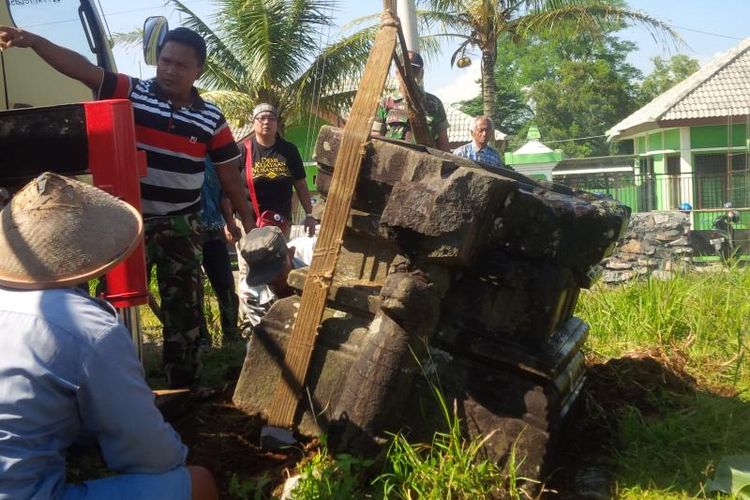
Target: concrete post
407,13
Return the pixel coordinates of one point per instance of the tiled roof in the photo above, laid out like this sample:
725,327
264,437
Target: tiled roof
720,88
460,125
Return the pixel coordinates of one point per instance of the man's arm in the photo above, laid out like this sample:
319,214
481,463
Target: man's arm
303,193
231,231
231,183
67,62
439,123
297,168
442,141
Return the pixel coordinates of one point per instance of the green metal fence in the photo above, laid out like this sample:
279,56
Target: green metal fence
647,192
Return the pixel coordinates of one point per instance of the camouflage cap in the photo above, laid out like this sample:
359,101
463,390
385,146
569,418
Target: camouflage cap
264,251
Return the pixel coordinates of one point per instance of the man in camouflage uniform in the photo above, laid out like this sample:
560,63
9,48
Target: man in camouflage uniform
177,129
392,119
175,246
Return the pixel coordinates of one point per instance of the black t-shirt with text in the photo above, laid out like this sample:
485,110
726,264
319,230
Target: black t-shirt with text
275,169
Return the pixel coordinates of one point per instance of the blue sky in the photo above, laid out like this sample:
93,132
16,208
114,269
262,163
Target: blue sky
708,28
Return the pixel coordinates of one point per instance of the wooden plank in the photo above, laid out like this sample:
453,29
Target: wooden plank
338,204
414,96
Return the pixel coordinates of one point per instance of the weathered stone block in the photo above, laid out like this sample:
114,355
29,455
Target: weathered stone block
682,241
547,359
525,417
617,277
451,208
495,262
618,264
345,294
669,235
514,299
363,258
336,347
572,232
447,218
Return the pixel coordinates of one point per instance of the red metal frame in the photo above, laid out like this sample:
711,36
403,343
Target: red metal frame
116,167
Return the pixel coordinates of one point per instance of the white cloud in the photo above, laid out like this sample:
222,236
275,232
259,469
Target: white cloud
458,84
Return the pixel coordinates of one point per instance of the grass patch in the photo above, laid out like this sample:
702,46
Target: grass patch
220,364
702,317
667,444
450,467
698,323
323,476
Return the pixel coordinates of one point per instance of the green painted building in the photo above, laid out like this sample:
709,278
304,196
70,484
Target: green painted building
534,159
691,143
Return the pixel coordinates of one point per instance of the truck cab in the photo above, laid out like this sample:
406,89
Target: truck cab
47,125
25,79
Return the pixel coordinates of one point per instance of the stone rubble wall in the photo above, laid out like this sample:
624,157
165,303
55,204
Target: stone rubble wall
655,244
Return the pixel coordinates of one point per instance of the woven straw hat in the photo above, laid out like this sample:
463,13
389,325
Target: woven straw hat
59,232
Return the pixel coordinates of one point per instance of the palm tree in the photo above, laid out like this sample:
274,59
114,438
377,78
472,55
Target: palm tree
275,51
480,23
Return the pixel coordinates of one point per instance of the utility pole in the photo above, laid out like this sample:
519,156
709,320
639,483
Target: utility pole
407,14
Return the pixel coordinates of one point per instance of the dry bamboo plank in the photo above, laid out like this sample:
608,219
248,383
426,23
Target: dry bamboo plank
414,97
338,204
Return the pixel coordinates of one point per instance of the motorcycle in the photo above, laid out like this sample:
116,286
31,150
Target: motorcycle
724,242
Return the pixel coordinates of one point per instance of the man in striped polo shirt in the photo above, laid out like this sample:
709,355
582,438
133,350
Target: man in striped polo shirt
177,130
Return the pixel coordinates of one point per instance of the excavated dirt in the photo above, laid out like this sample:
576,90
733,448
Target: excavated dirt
637,381
226,440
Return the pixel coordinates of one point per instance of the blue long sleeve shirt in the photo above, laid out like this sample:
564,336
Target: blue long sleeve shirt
487,156
68,369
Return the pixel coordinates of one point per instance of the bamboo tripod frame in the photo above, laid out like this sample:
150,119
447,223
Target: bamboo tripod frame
355,135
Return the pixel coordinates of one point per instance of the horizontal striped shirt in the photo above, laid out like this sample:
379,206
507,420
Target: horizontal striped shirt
176,142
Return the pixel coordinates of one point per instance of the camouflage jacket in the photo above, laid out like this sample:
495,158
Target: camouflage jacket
392,117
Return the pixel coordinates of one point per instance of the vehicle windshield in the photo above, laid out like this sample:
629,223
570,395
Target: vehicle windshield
57,20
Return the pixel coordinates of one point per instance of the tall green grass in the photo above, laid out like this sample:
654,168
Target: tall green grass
700,320
703,316
216,362
450,467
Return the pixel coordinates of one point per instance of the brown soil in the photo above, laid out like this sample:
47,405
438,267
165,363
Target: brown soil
636,381
226,440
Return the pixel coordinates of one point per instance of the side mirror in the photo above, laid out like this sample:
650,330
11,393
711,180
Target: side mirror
154,31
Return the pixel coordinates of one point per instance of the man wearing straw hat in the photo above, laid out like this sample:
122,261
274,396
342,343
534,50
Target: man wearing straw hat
68,369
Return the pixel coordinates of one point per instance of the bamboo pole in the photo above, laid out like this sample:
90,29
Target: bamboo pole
351,152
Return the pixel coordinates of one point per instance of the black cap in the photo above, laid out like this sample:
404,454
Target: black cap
415,59
265,251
